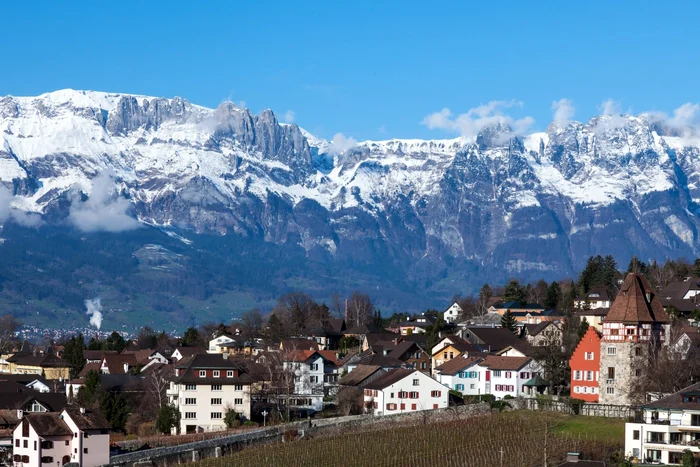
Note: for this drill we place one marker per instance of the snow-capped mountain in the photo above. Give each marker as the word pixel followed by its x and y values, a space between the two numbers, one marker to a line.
pixel 437 210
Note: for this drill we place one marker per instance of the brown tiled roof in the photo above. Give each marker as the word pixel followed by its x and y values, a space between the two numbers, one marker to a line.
pixel 456 365
pixel 96 354
pixel 299 344
pixel 496 339
pixel 676 400
pixel 359 374
pixel 43 361
pixel 47 424
pixel 90 420
pixel 140 356
pixel 391 377
pixel 192 365
pixel 330 355
pixel 89 367
pixel 631 304
pixel 592 312
pixel 400 350
pixel 8 418
pixel 493 362
pixel 299 355
pixel 115 363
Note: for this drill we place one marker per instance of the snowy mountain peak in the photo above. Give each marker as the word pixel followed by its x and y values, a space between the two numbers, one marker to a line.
pixel 230 171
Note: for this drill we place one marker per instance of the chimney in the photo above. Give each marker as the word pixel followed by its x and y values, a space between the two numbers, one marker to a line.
pixel 225 355
pixel 82 410
pixel 346 312
pixel 20 414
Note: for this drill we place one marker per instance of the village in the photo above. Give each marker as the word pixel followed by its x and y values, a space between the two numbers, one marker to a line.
pixel 52 411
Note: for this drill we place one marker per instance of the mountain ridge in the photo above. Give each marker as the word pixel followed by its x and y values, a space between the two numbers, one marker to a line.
pixel 446 214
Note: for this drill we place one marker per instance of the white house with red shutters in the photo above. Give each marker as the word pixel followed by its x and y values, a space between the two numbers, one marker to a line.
pixel 404 390
pixel 497 375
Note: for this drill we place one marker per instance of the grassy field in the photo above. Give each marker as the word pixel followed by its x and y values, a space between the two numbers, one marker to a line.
pixel 515 439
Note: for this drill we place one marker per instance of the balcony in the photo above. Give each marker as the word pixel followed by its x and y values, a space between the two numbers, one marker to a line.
pixel 610 381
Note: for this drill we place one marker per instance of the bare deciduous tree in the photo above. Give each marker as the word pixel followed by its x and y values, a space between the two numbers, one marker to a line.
pixel 350 401
pixel 360 309
pixel 8 329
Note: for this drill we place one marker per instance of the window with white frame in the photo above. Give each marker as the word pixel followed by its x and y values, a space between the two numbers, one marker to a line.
pixel 612 350
pixel 610 390
pixel 577 375
pixel 314 367
pixel 229 374
pixel 589 376
pixel 238 401
pixel 190 387
pixel 497 373
pixel 508 374
pixel 435 393
pixel 313 379
pixel 190 415
pixel 216 387
pixel 589 356
pixel 215 415
pixel 416 382
pixel 190 401
pixel 202 373
pixel 216 401
pixel 576 389
pixel 216 373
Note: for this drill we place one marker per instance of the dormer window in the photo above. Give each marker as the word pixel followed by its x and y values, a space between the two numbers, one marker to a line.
pixel 216 373
pixel 202 373
pixel 229 374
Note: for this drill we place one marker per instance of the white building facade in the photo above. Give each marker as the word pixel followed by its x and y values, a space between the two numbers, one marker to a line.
pixel 404 390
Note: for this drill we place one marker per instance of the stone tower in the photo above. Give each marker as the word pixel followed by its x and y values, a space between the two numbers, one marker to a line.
pixel 636 321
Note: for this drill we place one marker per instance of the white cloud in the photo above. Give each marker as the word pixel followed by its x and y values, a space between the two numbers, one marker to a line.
pixel 684 122
pixel 341 143
pixel 9 212
pixel 289 116
pixel 612 116
pixel 563 111
pixel 104 210
pixel 472 122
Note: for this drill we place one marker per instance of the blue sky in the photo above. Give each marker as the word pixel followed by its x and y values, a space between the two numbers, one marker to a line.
pixel 372 70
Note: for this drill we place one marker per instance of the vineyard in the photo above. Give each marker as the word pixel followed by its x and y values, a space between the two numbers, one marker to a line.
pixel 516 439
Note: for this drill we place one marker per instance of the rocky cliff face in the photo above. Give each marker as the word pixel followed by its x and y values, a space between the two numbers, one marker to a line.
pixel 434 212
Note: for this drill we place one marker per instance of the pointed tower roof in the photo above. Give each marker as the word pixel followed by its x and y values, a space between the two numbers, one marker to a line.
pixel 636 303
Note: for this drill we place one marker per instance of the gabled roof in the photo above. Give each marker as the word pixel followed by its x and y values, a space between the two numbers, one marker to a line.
pixel 359 374
pixel 96 354
pixel 330 355
pixel 299 355
pixel 391 377
pixel 189 351
pixel 375 337
pixel 115 362
pixel 493 362
pixel 632 305
pixel 456 365
pixel 90 420
pixel 678 289
pixel 44 361
pixel 87 368
pixel 402 348
pixel 20 400
pixel 676 401
pixel 140 356
pixel 535 329
pixel 369 357
pixel 515 305
pixel 592 312
pixel 364 329
pixel 191 366
pixel 298 344
pixel 495 339
pixel 47 424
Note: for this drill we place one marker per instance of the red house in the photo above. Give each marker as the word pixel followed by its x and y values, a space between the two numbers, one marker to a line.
pixel 585 367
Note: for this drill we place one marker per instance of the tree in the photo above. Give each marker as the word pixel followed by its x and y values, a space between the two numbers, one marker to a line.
pixel 251 323
pixel 538 293
pixel 582 328
pixel 688 459
pixel 554 361
pixel 275 328
pixel 73 354
pixel 514 292
pixel 337 306
pixel 147 338
pixel 232 418
pixel 156 384
pixel 95 344
pixel 87 394
pixel 163 340
pixel 360 309
pixel 485 293
pixel 508 321
pixel 115 342
pixel 8 332
pixel 191 337
pixel 696 267
pixel 168 418
pixel 115 409
pixel 350 400
pixel 294 311
pixel 433 333
pixel 553 295
pixel 636 266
